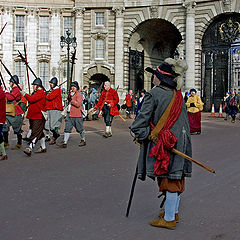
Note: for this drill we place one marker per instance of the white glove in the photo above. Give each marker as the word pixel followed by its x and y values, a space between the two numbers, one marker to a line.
pixel 23 93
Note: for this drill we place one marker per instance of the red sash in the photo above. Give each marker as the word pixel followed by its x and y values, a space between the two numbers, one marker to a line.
pixel 166 139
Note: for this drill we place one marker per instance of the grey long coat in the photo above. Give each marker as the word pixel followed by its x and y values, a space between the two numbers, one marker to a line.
pixel 155 103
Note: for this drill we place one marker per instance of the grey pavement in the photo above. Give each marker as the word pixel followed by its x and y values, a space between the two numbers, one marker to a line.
pixel 82 193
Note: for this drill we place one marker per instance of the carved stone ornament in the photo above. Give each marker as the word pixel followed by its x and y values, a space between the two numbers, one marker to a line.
pixel 189 5
pixel 229 31
pixel 118 11
pixel 153 12
pixel 226 5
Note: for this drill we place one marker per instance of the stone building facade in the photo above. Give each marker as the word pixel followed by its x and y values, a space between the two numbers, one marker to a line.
pixel 117 40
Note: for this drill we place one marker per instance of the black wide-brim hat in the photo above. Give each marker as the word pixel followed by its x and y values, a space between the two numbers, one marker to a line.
pixel 164 73
pixel 75 84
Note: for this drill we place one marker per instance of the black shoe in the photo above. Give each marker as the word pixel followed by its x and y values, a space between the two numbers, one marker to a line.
pixel 82 143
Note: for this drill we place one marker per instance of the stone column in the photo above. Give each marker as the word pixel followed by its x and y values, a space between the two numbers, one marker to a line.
pixel 119 49
pixel 190 43
pixel 79 12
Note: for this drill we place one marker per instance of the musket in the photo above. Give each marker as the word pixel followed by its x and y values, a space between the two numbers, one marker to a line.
pixel 9 73
pixel 73 62
pixel 25 51
pixel 3 81
pixel 26 63
pixel 3 28
pixel 62 83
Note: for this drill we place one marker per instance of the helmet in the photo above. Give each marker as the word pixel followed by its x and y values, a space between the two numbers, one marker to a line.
pixel 38 82
pixel 75 84
pixel 14 79
pixel 54 81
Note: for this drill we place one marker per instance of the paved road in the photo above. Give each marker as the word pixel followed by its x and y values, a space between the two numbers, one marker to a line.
pixel 82 193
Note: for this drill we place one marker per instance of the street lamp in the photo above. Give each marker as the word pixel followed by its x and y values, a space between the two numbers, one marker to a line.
pixel 68 40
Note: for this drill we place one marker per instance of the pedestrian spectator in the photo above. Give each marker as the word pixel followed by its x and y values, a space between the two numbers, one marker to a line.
pixel 74 116
pixel 129 101
pixel 2 121
pixel 93 100
pixel 225 106
pixel 85 102
pixel 232 104
pixel 194 108
pixel 140 100
pixel 156 159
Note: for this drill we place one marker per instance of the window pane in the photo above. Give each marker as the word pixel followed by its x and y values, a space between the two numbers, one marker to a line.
pixel 99 19
pixel 44 29
pixel 99 48
pixel 44 73
pixel 68 25
pixel 20 72
pixel 19 28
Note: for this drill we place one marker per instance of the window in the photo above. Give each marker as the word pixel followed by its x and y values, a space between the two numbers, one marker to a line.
pixel 44 29
pixel 99 49
pixel 68 25
pixel 19 28
pixel 99 19
pixel 20 72
pixel 44 73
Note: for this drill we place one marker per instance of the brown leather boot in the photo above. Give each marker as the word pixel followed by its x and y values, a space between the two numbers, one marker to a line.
pixel 3 157
pixel 53 141
pixel 28 151
pixel 41 150
pixel 162 223
pixel 161 214
pixel 17 146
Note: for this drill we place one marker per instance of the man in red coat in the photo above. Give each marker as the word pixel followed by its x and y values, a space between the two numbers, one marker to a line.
pixel 14 97
pixel 2 121
pixel 108 104
pixel 54 109
pixel 129 101
pixel 36 113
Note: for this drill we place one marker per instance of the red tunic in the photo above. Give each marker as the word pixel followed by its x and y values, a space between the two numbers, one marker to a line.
pixel 54 100
pixel 128 100
pixel 2 106
pixel 110 97
pixel 15 96
pixel 37 103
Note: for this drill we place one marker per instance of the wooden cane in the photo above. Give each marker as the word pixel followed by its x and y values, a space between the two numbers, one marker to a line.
pixel 192 160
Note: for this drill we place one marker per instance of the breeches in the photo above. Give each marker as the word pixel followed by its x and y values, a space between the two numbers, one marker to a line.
pixel 76 122
pixel 54 120
pixel 1 136
pixel 15 122
pixel 37 126
pixel 106 114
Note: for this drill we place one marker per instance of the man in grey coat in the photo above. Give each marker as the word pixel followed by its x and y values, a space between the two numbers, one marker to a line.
pixel 156 159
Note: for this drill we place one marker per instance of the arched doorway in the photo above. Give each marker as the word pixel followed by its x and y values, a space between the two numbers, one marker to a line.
pixel 218 49
pixel 151 42
pixel 96 81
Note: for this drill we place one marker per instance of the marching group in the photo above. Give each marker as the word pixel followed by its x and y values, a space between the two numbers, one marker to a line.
pixel 45 110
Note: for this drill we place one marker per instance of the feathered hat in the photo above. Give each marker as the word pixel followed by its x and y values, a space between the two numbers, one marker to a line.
pixel 180 67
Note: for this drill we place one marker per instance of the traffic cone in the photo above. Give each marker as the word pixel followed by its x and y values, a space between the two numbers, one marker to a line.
pixel 213 111
pixel 220 115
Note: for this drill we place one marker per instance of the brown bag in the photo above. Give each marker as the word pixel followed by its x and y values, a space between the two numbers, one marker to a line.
pixel 10 109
